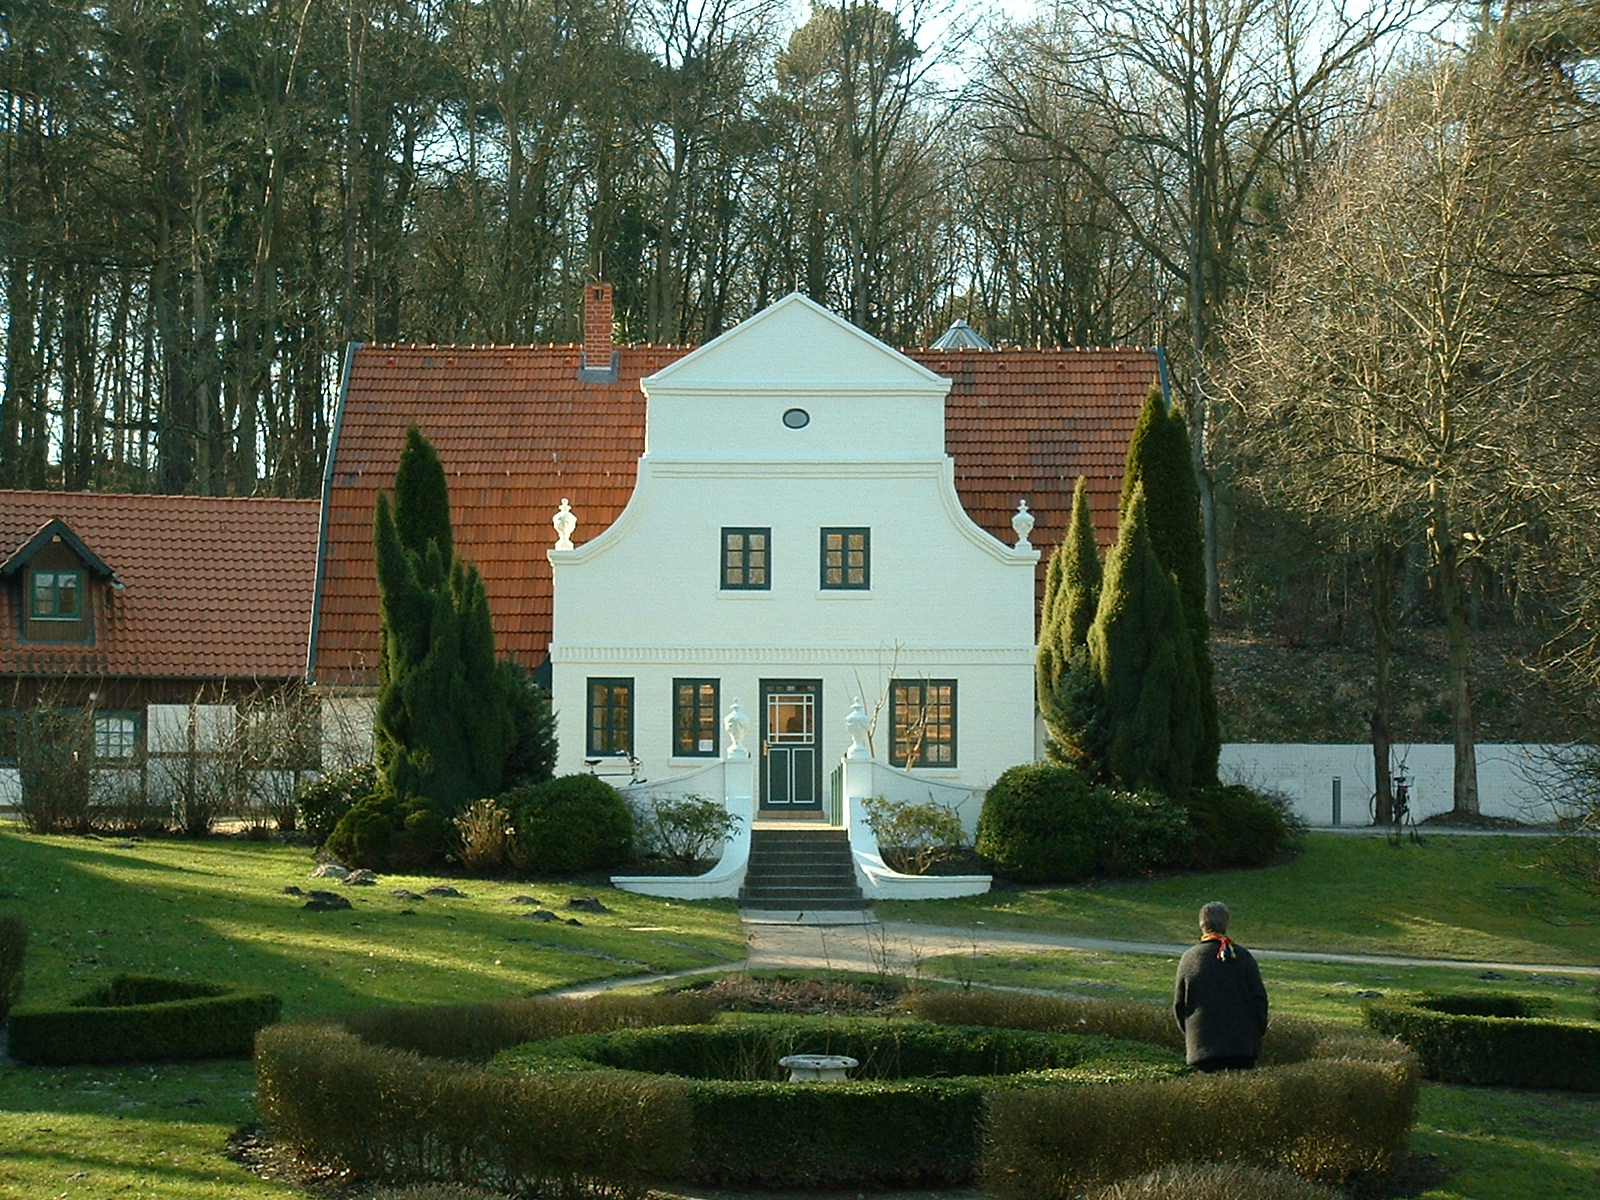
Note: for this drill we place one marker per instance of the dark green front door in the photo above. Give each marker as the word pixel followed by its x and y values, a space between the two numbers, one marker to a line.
pixel 791 774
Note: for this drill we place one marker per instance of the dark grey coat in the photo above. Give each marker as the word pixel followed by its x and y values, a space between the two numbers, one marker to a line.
pixel 1221 1004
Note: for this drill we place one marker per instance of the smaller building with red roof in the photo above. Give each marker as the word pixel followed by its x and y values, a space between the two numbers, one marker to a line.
pixel 140 609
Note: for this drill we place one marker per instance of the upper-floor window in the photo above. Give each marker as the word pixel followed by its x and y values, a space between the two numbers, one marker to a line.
pixel 610 717
pixel 55 595
pixel 846 559
pixel 694 717
pixel 745 562
pixel 922 716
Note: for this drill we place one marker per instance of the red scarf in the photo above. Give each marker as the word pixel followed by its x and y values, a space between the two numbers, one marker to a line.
pixel 1224 945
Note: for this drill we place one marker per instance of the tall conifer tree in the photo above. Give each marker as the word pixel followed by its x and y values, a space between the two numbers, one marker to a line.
pixel 1067 692
pixel 1160 458
pixel 444 722
pixel 1140 651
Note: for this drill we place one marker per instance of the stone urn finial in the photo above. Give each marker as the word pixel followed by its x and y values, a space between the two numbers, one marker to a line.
pixel 1022 522
pixel 565 523
pixel 737 725
pixel 857 723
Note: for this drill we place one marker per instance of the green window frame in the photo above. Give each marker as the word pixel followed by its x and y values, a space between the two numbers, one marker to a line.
pixel 746 559
pixel 695 712
pixel 55 595
pixel 610 717
pixel 846 559
pixel 922 721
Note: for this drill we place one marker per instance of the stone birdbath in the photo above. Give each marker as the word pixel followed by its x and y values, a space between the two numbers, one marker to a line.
pixel 818 1068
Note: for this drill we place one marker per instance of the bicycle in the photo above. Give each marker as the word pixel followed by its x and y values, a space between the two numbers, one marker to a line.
pixel 1399 800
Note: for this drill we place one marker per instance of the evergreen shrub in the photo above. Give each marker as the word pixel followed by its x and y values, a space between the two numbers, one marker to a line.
pixel 320 803
pixel 1212 1181
pixel 1046 823
pixel 477 1032
pixel 1327 1119
pixel 145 1018
pixel 1237 826
pixel 13 949
pixel 384 1114
pixel 1491 1038
pixel 571 824
pixel 1036 824
pixel 383 834
pixel 910 1115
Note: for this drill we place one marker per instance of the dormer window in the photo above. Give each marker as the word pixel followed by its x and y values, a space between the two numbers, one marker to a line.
pixel 55 595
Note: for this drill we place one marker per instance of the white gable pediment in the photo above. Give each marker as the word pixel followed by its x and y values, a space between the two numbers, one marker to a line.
pixel 799 347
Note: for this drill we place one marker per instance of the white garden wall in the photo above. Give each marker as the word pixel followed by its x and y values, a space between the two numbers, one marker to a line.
pixel 1514 781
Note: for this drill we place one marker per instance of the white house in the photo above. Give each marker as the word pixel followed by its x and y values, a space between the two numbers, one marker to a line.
pixel 715 554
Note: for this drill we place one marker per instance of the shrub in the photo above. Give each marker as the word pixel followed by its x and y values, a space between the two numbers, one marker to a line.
pixel 1045 823
pixel 1491 1038
pixel 144 1018
pixel 1035 825
pixel 688 828
pixel 13 949
pixel 482 836
pixel 323 801
pixel 1139 831
pixel 910 1116
pixel 55 765
pixel 1237 826
pixel 1213 1181
pixel 382 834
pixel 1326 1118
pixel 380 1113
pixel 914 838
pixel 477 1032
pixel 1288 1039
pixel 571 824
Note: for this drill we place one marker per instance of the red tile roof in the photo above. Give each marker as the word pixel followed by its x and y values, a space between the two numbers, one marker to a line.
pixel 211 587
pixel 516 431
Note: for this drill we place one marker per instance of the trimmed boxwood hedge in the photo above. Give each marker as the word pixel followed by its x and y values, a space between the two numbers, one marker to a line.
pixel 1491 1038
pixel 145 1018
pixel 911 1115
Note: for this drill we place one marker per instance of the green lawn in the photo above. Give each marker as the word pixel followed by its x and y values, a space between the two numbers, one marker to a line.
pixel 216 909
pixel 1449 897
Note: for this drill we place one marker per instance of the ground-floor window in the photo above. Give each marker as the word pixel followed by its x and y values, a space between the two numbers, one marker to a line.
pixel 116 735
pixel 922 716
pixel 610 717
pixel 694 718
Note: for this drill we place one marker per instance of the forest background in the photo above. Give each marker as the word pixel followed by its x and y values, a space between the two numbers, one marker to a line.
pixel 1367 237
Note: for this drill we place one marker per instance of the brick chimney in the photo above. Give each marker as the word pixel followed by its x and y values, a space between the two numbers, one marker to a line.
pixel 599 361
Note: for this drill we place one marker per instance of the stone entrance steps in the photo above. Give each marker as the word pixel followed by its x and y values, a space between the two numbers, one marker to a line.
pixel 803 870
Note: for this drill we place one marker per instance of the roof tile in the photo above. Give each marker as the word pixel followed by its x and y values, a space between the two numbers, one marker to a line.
pixel 211 587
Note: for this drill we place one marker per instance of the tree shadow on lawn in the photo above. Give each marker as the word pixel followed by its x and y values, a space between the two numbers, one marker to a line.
pixel 94 912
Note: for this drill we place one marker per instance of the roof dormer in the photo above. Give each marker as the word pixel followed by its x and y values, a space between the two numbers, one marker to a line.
pixel 50 574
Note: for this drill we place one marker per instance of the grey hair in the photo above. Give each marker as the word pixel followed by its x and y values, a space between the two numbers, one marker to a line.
pixel 1214 917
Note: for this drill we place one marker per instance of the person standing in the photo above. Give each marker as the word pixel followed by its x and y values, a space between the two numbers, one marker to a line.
pixel 1219 999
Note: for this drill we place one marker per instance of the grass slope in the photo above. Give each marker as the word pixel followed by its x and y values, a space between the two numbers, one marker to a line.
pixel 1449 896
pixel 216 910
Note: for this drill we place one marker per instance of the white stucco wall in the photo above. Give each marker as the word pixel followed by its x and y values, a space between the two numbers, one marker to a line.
pixel 946 601
pixel 1515 781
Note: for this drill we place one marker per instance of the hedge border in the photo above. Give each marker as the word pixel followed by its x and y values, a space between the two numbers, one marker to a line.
pixel 911 1115
pixel 144 1018
pixel 1490 1038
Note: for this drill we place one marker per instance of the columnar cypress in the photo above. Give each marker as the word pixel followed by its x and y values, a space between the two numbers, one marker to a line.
pixel 1140 652
pixel 1160 459
pixel 1066 689
pixel 443 725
